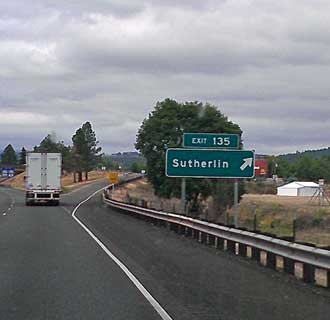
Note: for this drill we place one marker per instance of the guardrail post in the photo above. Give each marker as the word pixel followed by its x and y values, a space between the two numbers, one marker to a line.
pixel 225 244
pixel 249 252
pixel 200 236
pixel 267 259
pixel 299 270
pixel 216 242
pixel 279 263
pixel 304 271
pixel 322 277
pixel 263 258
pixel 236 248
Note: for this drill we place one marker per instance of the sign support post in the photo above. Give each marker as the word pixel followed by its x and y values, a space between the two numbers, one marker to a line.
pixel 183 195
pixel 183 190
pixel 236 203
pixel 113 178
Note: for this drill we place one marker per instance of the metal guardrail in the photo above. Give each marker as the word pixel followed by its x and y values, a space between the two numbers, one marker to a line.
pixel 129 178
pixel 310 257
pixel 313 256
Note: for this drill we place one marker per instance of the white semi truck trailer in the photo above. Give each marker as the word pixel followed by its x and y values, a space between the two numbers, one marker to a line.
pixel 43 177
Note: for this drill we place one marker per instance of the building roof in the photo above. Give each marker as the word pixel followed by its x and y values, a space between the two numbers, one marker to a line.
pixel 300 184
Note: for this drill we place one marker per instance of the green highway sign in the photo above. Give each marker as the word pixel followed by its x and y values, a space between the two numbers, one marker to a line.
pixel 211 140
pixel 209 163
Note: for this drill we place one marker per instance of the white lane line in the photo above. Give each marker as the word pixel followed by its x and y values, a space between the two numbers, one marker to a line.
pixel 9 209
pixel 155 304
pixel 4 213
pixel 66 210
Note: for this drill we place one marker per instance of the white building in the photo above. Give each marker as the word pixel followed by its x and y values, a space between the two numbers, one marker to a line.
pixel 298 189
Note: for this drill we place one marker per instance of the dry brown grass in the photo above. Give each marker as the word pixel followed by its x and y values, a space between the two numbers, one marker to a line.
pixel 275 214
pixel 296 206
pixel 66 180
pixel 302 202
pixel 138 190
pixel 316 236
pixel 16 182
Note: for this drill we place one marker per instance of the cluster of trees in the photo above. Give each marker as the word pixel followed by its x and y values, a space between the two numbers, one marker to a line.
pixel 164 129
pixel 10 158
pixel 305 167
pixel 137 167
pixel 107 162
pixel 80 157
pixel 111 162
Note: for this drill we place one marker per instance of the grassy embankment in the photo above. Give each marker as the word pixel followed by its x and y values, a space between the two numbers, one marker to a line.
pixel 275 214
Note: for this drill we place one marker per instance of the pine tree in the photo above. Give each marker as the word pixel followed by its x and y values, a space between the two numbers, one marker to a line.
pixel 47 145
pixel 91 155
pixel 8 156
pixel 86 151
pixel 22 157
pixel 79 146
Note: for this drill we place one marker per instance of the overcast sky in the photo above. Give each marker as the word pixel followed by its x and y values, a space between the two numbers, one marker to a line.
pixel 265 64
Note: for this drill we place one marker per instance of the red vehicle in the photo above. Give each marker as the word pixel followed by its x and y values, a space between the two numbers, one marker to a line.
pixel 261 168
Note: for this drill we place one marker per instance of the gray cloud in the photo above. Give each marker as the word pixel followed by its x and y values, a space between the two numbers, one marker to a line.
pixel 266 65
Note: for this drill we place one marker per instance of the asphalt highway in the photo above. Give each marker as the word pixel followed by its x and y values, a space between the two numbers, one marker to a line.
pixel 51 268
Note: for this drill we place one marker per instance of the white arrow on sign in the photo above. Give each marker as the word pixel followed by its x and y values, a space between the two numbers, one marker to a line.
pixel 247 163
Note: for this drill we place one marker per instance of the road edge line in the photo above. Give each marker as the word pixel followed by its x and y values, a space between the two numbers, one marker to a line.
pixel 154 303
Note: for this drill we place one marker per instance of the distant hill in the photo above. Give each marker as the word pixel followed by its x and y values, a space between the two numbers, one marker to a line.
pixel 291 157
pixel 125 159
